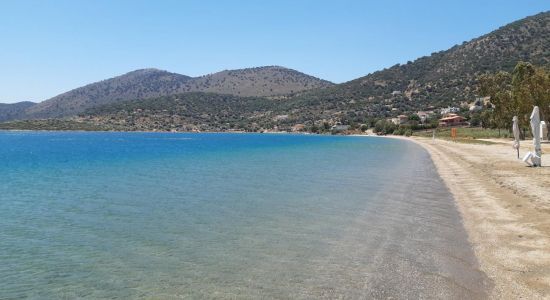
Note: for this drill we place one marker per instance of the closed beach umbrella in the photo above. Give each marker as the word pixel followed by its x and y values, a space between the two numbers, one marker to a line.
pixel 515 129
pixel 535 129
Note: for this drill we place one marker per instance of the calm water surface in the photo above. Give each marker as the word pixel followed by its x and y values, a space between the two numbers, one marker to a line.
pixel 155 215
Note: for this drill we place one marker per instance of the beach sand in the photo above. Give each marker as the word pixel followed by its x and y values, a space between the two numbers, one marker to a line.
pixel 505 207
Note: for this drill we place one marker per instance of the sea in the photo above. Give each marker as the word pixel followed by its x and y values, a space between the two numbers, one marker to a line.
pixel 118 215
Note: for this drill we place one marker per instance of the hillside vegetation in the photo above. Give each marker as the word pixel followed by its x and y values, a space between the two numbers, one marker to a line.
pixel 441 79
pixel 194 111
pixel 54 124
pixel 148 83
pixel 14 110
pixel 257 82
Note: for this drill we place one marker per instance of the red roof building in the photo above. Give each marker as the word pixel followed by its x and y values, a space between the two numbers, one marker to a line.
pixel 452 120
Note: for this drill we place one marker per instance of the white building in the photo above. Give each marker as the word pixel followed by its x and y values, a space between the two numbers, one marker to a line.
pixel 424 115
pixel 396 93
pixel 449 110
pixel 340 127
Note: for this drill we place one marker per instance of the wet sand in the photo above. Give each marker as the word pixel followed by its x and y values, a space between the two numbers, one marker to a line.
pixel 505 206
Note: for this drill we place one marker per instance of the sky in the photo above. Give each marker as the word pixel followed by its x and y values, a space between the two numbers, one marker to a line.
pixel 50 47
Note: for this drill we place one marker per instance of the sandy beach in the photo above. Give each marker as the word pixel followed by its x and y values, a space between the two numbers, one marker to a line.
pixel 506 211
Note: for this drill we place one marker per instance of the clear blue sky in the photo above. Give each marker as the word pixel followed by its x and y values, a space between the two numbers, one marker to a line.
pixel 49 47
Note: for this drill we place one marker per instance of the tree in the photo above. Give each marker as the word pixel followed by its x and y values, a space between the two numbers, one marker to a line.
pixel 379 126
pixel 414 117
pixel 384 127
pixel 314 128
pixel 498 87
pixel 531 87
pixel 475 119
pixel 485 118
pixel 515 94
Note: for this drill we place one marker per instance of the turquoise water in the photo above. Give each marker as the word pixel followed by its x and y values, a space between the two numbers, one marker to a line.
pixel 159 215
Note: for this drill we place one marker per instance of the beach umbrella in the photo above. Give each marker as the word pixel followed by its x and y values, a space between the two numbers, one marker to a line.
pixel 535 129
pixel 515 130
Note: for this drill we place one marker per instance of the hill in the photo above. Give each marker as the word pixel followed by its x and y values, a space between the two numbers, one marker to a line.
pixel 148 83
pixel 257 82
pixel 441 79
pixel 133 85
pixel 14 110
pixel 192 111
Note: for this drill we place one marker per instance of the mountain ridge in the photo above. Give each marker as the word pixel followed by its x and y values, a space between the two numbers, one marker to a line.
pixel 11 111
pixel 267 81
pixel 444 78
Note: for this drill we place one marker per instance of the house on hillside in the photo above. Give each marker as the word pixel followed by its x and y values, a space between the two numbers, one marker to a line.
pixel 280 117
pixel 298 128
pixel 449 110
pixel 396 93
pixel 339 127
pixel 452 120
pixel 400 120
pixel 424 115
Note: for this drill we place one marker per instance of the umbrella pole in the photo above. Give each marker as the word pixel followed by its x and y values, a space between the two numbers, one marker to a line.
pixel 518 152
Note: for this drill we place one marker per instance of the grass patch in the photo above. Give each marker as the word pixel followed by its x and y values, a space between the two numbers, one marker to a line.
pixel 466 133
pixel 471 141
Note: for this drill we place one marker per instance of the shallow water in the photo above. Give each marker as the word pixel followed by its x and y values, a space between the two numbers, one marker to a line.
pixel 141 215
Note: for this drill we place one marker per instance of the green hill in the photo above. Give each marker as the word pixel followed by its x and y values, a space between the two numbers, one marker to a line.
pixel 184 112
pixel 441 79
pixel 147 83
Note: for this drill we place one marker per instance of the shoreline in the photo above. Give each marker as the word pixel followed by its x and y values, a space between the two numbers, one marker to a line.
pixel 504 211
